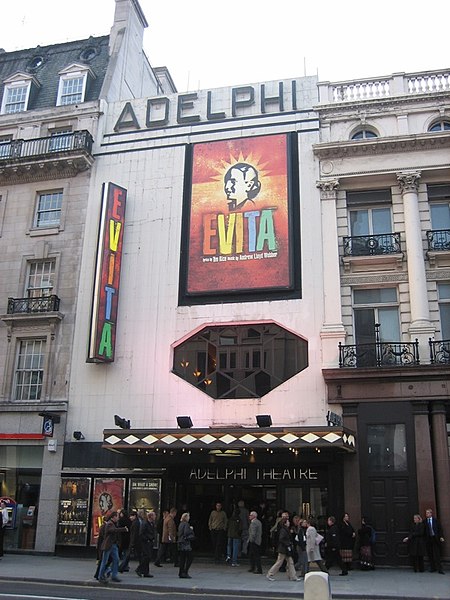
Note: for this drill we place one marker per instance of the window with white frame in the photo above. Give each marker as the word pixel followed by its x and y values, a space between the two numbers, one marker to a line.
pixel 15 97
pixel 40 278
pixel 444 309
pixel 441 125
pixel 364 134
pixel 48 210
pixel 376 306
pixel 29 369
pixel 72 88
pixel 370 221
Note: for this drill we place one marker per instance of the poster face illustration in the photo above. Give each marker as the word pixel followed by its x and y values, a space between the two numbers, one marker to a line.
pixel 73 511
pixel 238 236
pixel 108 495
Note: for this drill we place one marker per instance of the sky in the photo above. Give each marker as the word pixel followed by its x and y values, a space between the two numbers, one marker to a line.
pixel 207 44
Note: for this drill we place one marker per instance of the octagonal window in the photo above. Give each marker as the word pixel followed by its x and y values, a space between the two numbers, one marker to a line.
pixel 240 361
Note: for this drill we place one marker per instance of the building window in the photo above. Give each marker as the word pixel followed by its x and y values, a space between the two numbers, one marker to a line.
pixel 364 134
pixel 444 309
pixel 370 223
pixel 15 97
pixel 40 278
pixel 442 125
pixel 29 370
pixel 376 306
pixel 243 361
pixel 386 446
pixel 71 89
pixel 48 213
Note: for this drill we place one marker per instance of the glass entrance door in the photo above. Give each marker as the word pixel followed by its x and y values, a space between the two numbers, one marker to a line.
pixel 307 501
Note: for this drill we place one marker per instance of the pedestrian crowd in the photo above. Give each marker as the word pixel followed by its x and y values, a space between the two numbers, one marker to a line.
pixel 296 542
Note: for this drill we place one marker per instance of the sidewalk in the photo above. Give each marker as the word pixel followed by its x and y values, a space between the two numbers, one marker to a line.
pixel 383 583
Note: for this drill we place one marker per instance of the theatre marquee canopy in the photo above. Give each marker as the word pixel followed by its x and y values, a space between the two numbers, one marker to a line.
pixel 228 439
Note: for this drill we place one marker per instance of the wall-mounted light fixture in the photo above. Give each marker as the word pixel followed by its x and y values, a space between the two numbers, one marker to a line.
pixel 184 422
pixel 122 423
pixel 264 420
pixel 78 435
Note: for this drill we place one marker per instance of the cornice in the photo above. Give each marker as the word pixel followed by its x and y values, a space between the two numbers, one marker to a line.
pixel 380 146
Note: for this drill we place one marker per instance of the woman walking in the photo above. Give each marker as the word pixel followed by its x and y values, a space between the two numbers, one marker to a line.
pixel 347 537
pixel 313 545
pixel 185 537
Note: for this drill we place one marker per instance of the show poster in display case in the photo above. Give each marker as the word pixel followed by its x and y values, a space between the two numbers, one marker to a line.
pixel 146 494
pixel 73 516
pixel 108 495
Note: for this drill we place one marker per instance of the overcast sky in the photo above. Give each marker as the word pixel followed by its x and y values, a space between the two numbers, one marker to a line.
pixel 207 44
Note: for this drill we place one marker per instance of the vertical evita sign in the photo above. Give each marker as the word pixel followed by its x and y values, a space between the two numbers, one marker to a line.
pixel 238 219
pixel 107 274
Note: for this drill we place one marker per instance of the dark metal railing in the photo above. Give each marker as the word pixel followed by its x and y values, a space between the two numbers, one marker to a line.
pixel 379 354
pixel 371 245
pixel 25 149
pixel 33 305
pixel 438 239
pixel 439 352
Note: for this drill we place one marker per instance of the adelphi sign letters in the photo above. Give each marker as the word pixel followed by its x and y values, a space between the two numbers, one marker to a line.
pixel 208 106
pixel 254 474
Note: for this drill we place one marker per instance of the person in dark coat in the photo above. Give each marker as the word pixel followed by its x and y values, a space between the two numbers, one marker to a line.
pixel 284 549
pixel 416 544
pixel 347 537
pixel 124 538
pixel 110 547
pixel 147 535
pixel 185 537
pixel 434 537
pixel 332 544
pixel 365 533
pixel 133 544
pixel 234 530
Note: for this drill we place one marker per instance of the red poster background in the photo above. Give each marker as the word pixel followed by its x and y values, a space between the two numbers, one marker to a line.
pixel 268 155
pixel 108 495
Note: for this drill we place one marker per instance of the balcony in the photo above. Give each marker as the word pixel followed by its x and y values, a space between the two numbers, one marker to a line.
pixel 32 311
pixel 45 158
pixel 372 252
pixel 33 305
pixel 439 352
pixel 438 252
pixel 379 354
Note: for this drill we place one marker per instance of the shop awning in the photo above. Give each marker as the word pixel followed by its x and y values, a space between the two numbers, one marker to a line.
pixel 243 438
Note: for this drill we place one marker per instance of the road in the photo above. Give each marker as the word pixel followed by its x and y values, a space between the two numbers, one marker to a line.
pixel 18 590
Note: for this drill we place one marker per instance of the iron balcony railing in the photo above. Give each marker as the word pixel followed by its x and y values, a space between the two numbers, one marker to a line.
pixel 379 354
pixel 33 305
pixel 371 245
pixel 438 239
pixel 439 352
pixel 16 150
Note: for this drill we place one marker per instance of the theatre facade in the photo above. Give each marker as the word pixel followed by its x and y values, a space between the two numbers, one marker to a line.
pixel 239 333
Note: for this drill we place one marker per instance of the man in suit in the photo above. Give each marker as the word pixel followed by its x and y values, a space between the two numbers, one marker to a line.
pixel 434 538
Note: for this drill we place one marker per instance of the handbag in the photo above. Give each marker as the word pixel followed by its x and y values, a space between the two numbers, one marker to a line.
pixel 319 539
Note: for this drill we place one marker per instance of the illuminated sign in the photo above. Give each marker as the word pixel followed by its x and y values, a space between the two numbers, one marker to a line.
pixel 240 221
pixel 107 274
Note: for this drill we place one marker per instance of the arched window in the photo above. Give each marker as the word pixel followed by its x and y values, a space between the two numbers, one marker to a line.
pixel 364 134
pixel 441 125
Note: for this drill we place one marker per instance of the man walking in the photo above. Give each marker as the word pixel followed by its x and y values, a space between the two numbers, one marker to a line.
pixel 168 544
pixel 434 538
pixel 254 543
pixel 110 547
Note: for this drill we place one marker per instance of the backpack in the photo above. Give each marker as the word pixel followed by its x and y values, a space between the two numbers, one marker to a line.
pixel 373 536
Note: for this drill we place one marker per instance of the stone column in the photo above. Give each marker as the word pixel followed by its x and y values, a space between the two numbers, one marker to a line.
pixel 424 457
pixel 333 330
pixel 441 468
pixel 420 326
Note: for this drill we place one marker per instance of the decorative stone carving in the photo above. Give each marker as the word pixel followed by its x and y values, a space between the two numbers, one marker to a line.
pixel 409 181
pixel 328 188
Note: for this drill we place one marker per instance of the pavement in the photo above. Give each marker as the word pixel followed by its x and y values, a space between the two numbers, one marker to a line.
pixel 383 583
